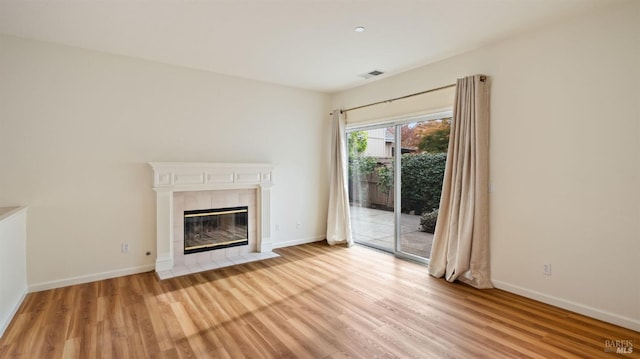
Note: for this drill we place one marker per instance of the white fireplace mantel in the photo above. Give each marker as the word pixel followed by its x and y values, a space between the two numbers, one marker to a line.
pixel 170 177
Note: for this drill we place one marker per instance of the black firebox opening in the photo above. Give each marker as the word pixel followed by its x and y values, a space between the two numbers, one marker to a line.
pixel 217 228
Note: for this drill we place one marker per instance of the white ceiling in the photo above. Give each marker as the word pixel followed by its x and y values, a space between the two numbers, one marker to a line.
pixel 307 44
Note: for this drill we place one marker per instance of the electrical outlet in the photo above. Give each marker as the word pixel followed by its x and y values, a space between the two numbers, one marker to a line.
pixel 298 225
pixel 546 268
pixel 277 228
pixel 124 247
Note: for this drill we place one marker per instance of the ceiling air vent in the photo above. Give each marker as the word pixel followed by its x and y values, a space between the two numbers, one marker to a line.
pixel 371 74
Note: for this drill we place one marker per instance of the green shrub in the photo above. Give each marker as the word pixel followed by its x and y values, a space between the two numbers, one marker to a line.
pixel 428 221
pixel 385 177
pixel 362 166
pixel 422 176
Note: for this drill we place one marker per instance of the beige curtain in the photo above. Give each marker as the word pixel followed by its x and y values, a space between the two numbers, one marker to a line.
pixel 461 242
pixel 338 220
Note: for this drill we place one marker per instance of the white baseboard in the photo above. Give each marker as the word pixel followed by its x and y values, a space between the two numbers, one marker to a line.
pixel 14 310
pixel 296 242
pixel 141 269
pixel 90 278
pixel 608 317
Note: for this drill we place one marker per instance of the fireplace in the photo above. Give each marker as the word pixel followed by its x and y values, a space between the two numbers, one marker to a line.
pixel 217 228
pixel 182 187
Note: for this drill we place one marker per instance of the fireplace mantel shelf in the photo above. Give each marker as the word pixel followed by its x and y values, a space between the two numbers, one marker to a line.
pixel 190 176
pixel 170 177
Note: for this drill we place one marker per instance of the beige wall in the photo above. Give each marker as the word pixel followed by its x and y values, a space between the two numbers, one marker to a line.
pixel 564 158
pixel 78 127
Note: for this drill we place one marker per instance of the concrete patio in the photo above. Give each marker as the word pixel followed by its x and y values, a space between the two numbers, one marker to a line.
pixel 375 227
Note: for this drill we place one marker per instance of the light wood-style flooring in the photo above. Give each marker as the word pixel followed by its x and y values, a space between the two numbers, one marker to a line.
pixel 314 301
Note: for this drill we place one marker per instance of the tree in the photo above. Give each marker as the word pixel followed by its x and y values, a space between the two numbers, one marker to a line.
pixel 410 135
pixel 357 143
pixel 359 166
pixel 435 138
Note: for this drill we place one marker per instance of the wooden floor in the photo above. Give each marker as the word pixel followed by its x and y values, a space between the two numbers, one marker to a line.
pixel 314 301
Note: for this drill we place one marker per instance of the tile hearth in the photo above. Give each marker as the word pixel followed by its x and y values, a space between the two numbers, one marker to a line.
pixel 190 268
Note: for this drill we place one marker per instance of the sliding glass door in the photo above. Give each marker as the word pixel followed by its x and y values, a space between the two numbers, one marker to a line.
pixel 395 181
pixel 371 187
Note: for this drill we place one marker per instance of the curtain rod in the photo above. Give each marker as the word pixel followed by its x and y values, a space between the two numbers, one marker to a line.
pixel 395 99
pixel 482 78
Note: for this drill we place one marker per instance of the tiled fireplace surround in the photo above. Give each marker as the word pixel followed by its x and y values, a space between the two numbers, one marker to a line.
pixel 192 186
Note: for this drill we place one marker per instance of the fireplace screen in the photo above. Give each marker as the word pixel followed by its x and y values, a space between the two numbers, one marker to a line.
pixel 210 229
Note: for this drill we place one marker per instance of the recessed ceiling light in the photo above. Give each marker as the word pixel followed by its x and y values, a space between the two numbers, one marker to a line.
pixel 359 29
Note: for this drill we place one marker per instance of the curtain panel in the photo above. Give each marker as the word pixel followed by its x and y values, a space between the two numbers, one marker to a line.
pixel 338 219
pixel 461 241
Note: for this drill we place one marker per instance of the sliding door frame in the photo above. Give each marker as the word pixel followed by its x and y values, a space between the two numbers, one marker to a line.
pixel 397 176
